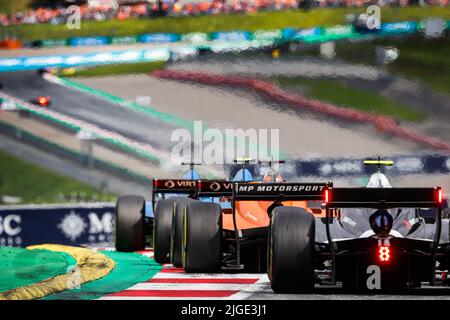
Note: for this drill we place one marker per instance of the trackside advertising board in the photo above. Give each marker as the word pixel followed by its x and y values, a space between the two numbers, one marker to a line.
pixel 67 224
pixel 73 60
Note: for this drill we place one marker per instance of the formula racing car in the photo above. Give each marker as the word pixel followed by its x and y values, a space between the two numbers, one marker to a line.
pixel 42 101
pixel 371 238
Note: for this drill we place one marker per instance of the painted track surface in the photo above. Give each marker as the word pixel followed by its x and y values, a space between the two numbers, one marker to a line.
pixel 174 284
pixel 29 85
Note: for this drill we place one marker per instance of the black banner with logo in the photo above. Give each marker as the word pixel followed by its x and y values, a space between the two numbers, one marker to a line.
pixel 74 224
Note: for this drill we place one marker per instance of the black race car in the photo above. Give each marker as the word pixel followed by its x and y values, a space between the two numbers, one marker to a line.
pixel 371 238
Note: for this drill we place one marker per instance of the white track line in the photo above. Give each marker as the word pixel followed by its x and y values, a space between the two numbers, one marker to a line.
pixel 189 287
pixel 182 275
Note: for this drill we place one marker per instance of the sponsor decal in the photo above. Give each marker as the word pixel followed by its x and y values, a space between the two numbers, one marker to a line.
pixel 280 188
pixel 169 184
pixel 216 186
pixel 174 185
pixel 87 224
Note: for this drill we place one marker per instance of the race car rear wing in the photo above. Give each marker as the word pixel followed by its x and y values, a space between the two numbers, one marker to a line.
pixel 180 186
pixel 383 197
pixel 280 191
pixel 214 188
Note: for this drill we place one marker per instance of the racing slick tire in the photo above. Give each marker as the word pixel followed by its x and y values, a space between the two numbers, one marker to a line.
pixel 162 228
pixel 290 250
pixel 130 221
pixel 176 236
pixel 202 237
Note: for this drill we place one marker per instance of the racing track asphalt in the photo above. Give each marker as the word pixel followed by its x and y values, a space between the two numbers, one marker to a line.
pixel 173 283
pixel 28 85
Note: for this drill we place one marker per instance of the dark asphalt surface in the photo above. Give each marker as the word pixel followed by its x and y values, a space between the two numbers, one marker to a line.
pixel 324 293
pixel 28 85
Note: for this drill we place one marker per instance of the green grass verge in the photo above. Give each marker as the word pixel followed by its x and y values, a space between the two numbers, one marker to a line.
pixel 419 58
pixel 37 185
pixel 334 92
pixel 259 21
pixel 113 69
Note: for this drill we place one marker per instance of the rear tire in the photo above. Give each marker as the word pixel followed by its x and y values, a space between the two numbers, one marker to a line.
pixel 176 238
pixel 130 218
pixel 202 237
pixel 290 250
pixel 162 228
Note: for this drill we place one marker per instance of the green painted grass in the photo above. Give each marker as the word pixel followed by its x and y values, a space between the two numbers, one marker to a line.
pixel 130 269
pixel 21 267
pixel 259 21
pixel 38 185
pixel 334 92
pixel 115 69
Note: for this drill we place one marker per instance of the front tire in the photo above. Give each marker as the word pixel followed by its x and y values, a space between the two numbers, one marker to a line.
pixel 202 237
pixel 291 245
pixel 130 220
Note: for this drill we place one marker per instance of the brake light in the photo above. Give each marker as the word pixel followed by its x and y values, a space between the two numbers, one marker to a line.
pixel 199 185
pixel 327 195
pixel 439 196
pixel 155 183
pixel 43 101
pixel 384 254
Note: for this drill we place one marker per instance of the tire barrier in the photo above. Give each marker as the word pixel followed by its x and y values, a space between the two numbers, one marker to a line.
pixel 384 124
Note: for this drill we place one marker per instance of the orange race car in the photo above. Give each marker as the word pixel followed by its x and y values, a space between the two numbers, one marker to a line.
pixel 231 232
